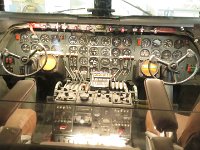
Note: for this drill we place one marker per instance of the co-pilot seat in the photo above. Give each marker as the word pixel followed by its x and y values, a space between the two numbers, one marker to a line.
pixel 15 118
pixel 165 128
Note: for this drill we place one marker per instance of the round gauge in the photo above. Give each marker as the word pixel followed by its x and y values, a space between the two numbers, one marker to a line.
pixel 24 37
pixel 105 51
pixel 83 40
pixel 93 62
pixel 94 41
pixel 56 48
pixel 144 53
pixel 50 64
pixel 105 61
pixel 156 43
pixel 34 38
pixel 44 38
pixel 127 41
pixel 114 71
pixel 115 62
pixel 73 40
pixel 126 52
pixel 156 53
pixel 25 48
pixel 145 43
pixel 47 47
pixel 167 43
pixel 83 69
pixel 93 69
pixel 83 50
pixel 94 51
pixel 105 41
pixel 116 41
pixel 178 44
pixel 115 52
pixel 73 49
pixel 35 47
pixel 166 54
pixel 176 54
pixel 145 68
pixel 83 60
pixel 104 69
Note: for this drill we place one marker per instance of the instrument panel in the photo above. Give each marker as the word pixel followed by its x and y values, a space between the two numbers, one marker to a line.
pixel 112 52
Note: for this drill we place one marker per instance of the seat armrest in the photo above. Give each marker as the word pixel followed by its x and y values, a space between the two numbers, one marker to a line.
pixel 25 119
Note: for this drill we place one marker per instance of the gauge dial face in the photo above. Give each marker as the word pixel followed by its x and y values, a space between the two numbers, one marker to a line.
pixel 25 48
pixel 94 62
pixel 93 69
pixel 35 47
pixel 127 41
pixel 105 61
pixel 126 52
pixel 56 48
pixel 83 69
pixel 83 60
pixel 83 50
pixel 105 51
pixel 144 53
pixel 73 40
pixel 115 52
pixel 73 49
pixel 167 43
pixel 145 43
pixel 44 38
pixel 83 40
pixel 94 41
pixel 178 44
pixel 94 51
pixel 116 41
pixel 104 69
pixel 47 47
pixel 34 38
pixel 166 54
pixel 156 53
pixel 176 54
pixel 105 41
pixel 156 43
pixel 24 37
pixel 115 62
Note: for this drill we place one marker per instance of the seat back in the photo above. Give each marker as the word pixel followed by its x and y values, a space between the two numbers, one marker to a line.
pixel 190 137
pixel 160 106
pixel 14 98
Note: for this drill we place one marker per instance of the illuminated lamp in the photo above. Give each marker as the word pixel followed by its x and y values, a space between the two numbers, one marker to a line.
pixel 152 67
pixel 50 64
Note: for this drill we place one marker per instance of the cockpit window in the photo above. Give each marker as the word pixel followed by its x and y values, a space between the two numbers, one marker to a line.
pixel 178 8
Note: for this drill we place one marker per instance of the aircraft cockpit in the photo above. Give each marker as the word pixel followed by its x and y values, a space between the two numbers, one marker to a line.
pixel 93 79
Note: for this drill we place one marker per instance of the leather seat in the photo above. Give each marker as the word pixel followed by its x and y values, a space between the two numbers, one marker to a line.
pixel 163 124
pixel 15 114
